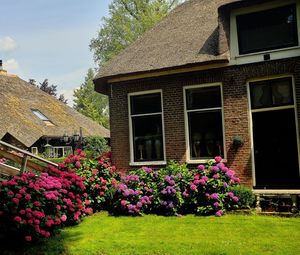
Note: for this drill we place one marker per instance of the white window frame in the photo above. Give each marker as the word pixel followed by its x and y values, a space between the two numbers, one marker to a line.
pixel 158 162
pixel 237 59
pixel 186 122
pixel 34 150
pixel 294 106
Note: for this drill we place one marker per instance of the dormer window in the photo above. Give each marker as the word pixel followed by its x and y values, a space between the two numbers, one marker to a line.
pixel 42 117
pixel 267 30
pixel 264 32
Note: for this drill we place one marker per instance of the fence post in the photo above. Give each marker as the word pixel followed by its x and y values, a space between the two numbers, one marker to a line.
pixel 23 164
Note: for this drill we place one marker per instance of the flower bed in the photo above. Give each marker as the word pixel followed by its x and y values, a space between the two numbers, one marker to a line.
pixel 37 206
pixel 175 190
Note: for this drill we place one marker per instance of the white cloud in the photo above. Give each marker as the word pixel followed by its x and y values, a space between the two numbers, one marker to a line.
pixel 11 65
pixel 7 44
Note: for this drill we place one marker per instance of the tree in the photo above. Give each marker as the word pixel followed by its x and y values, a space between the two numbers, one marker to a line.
pixel 90 103
pixel 127 20
pixel 50 89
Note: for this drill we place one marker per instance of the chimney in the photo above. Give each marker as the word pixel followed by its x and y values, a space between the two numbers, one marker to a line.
pixel 2 71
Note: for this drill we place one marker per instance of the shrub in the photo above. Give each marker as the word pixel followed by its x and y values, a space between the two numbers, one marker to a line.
pixel 95 145
pixel 36 206
pixel 98 175
pixel 210 190
pixel 245 195
pixel 176 189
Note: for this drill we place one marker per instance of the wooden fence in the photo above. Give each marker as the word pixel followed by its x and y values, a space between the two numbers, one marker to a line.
pixel 21 158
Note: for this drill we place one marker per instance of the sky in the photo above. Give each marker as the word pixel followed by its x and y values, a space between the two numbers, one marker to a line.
pixel 49 39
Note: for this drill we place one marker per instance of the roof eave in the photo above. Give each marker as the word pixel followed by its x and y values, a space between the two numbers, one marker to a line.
pixel 101 83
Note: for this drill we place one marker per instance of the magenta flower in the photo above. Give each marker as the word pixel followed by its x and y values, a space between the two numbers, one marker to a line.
pixel 215 169
pixel 201 167
pixel 214 196
pixel 17 219
pixel 193 187
pixel 28 238
pixel 219 213
pixel 218 159
pixel 64 218
pixel 123 203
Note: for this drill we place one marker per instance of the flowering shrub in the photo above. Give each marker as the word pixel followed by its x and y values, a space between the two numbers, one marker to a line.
pixel 176 189
pixel 36 206
pixel 210 189
pixel 97 174
pixel 132 196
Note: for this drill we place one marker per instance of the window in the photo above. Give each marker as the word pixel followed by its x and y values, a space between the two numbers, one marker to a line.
pixel 42 117
pixel 34 150
pixel 267 30
pixel 271 93
pixel 146 127
pixel 204 122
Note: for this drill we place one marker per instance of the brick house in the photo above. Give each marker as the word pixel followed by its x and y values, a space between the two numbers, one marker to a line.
pixel 212 78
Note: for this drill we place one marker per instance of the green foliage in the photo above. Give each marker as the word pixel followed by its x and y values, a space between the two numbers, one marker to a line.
pixel 127 20
pixel 90 103
pixel 95 145
pixel 245 195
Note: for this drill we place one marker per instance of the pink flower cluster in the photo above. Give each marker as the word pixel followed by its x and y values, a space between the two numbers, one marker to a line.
pixel 37 205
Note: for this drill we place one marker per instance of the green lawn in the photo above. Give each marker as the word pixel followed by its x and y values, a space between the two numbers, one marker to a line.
pixel 230 234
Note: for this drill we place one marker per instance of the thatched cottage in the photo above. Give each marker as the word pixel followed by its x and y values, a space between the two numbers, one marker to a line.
pixel 34 120
pixel 213 78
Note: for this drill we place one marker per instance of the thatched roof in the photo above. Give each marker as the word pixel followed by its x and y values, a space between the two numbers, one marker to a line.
pixel 189 35
pixel 18 98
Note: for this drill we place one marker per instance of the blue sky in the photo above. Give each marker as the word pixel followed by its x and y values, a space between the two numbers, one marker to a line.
pixel 42 39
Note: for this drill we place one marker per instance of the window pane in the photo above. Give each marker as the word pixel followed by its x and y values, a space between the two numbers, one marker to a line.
pixel 147 138
pixel 206 134
pixel 40 115
pixel 271 93
pixel 200 98
pixel 149 103
pixel 267 30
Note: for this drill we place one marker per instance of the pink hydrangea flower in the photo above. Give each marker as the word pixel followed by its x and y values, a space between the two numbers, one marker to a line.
pixel 218 159
pixel 64 218
pixel 28 238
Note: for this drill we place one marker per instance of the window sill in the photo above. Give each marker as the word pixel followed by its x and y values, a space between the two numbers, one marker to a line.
pixel 148 163
pixel 202 161
pixel 259 56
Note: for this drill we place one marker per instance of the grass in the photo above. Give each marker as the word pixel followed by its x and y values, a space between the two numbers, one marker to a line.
pixel 151 235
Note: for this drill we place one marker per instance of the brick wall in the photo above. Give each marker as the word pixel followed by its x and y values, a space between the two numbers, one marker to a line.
pixel 236 112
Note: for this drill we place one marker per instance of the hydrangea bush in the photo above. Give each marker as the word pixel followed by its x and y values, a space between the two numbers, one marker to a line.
pixel 36 206
pixel 176 190
pixel 97 173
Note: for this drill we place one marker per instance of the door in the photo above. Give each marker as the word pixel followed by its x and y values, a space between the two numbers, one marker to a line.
pixel 274 134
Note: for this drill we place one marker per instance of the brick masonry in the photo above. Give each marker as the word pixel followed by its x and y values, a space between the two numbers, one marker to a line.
pixel 236 112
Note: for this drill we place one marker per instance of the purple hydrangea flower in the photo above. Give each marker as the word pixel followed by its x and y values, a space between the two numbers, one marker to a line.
pixel 216 176
pixel 147 169
pixel 201 167
pixel 219 213
pixel 235 198
pixel 214 196
pixel 216 204
pixel 215 169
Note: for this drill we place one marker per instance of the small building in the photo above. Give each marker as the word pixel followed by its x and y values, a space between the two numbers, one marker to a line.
pixel 32 119
pixel 213 78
